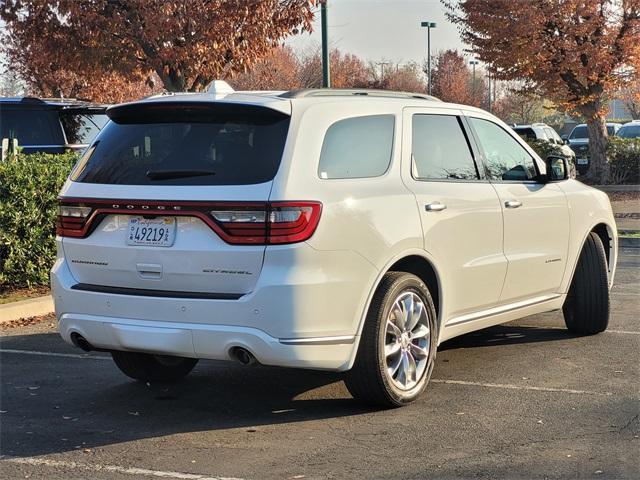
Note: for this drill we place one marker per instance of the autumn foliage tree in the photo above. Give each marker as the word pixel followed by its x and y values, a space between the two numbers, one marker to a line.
pixel 185 43
pixel 577 53
pixel 451 79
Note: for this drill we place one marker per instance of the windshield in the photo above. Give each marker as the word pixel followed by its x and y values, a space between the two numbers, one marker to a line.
pixel 629 131
pixel 206 147
pixel 582 133
pixel 579 132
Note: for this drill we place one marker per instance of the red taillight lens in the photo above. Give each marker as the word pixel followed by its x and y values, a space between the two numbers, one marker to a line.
pixel 276 224
pixel 71 220
pixel 291 222
pixel 237 223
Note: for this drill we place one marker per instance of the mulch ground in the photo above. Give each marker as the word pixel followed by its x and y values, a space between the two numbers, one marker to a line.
pixel 22 322
pixel 624 196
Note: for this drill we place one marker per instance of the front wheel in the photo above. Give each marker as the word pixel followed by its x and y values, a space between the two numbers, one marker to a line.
pixel 586 309
pixel 398 343
pixel 147 367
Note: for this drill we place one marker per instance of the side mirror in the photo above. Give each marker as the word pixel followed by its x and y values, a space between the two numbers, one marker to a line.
pixel 565 139
pixel 558 169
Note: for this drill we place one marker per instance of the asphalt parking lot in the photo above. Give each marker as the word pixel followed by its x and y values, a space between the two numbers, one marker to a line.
pixel 522 400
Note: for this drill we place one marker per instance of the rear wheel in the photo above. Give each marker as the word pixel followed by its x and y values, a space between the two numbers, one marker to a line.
pixel 153 368
pixel 398 343
pixel 586 309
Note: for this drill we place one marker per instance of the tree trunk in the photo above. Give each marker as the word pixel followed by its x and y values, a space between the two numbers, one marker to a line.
pixel 598 141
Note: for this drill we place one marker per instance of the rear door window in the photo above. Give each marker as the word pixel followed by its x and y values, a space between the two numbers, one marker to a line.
pixel 196 144
pixel 440 149
pixel 31 126
pixel 358 147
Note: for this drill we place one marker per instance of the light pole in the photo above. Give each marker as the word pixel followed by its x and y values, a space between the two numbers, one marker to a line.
pixel 473 63
pixel 326 74
pixel 382 65
pixel 429 26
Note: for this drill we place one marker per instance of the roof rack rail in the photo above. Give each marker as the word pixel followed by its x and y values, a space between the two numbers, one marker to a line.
pixel 346 92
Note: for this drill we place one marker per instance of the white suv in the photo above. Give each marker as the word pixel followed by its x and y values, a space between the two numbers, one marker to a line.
pixel 345 230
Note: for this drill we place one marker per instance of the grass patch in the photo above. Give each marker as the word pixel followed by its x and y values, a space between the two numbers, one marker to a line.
pixel 628 234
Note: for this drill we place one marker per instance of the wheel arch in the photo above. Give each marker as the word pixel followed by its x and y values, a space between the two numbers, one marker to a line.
pixel 418 263
pixel 609 238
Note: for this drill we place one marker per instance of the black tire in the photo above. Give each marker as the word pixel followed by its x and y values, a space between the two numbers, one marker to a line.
pixel 369 380
pixel 586 309
pixel 153 368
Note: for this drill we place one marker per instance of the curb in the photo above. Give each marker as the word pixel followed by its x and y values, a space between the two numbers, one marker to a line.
pixel 26 308
pixel 629 242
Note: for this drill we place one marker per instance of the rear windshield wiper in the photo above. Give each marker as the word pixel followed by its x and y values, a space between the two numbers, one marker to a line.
pixel 171 174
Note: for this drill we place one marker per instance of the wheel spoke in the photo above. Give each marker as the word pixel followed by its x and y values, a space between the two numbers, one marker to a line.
pixel 404 368
pixel 407 309
pixel 418 352
pixel 392 329
pixel 420 332
pixel 411 368
pixel 415 315
pixel 397 312
pixel 392 348
pixel 392 367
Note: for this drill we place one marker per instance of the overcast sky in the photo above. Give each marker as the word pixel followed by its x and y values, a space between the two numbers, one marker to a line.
pixel 384 29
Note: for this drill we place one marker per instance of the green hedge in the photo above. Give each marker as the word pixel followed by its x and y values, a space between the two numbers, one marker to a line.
pixel 623 155
pixel 29 186
pixel 624 160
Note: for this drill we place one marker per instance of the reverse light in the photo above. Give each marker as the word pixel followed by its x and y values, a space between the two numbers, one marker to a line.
pixel 71 220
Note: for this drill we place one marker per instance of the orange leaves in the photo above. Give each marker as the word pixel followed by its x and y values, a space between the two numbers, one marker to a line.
pixel 571 49
pixel 182 41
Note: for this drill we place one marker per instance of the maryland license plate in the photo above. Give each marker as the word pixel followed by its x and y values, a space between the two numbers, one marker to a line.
pixel 583 161
pixel 155 232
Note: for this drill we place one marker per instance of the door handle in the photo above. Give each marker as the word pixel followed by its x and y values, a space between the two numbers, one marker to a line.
pixel 512 204
pixel 435 207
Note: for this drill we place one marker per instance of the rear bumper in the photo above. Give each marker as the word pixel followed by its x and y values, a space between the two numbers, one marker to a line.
pixel 303 313
pixel 207 341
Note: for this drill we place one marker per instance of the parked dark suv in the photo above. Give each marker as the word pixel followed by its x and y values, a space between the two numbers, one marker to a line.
pixel 50 125
pixel 542 131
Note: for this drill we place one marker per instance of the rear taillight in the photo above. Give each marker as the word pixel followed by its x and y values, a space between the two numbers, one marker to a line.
pixel 237 223
pixel 72 220
pixel 276 224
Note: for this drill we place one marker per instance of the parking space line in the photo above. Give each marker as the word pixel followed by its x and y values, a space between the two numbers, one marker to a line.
pixel 520 387
pixel 623 332
pixel 54 354
pixel 433 380
pixel 34 461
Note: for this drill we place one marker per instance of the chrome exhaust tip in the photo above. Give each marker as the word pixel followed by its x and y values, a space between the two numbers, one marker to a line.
pixel 242 356
pixel 81 342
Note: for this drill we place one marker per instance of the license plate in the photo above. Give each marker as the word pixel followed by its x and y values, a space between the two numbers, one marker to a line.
pixel 155 232
pixel 583 161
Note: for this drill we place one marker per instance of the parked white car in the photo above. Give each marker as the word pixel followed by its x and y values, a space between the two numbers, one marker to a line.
pixel 344 230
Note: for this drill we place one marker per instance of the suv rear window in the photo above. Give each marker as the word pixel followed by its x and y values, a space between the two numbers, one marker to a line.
pixel 526 132
pixel 81 128
pixel 31 126
pixel 186 144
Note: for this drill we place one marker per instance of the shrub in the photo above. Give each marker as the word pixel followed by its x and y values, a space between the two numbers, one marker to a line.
pixel 623 155
pixel 29 186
